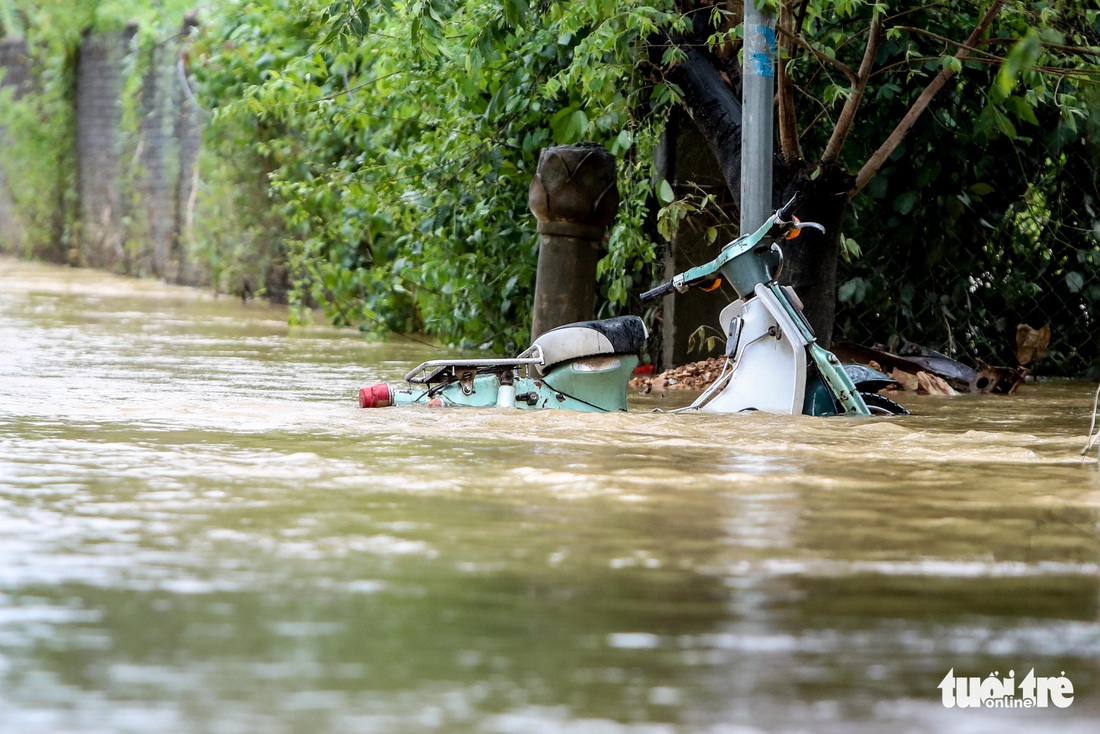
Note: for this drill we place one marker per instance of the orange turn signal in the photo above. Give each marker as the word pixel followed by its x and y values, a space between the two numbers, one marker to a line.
pixel 794 232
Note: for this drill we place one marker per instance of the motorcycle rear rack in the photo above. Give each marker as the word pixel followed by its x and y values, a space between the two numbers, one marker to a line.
pixel 448 370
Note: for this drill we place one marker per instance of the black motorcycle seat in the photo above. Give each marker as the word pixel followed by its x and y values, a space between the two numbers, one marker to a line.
pixel 620 335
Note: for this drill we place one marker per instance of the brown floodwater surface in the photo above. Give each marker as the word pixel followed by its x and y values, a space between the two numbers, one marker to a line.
pixel 200 531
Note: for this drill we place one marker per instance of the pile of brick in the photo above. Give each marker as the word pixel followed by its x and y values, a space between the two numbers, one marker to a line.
pixel 694 376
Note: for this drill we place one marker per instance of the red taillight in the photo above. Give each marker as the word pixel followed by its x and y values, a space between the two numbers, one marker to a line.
pixel 375 396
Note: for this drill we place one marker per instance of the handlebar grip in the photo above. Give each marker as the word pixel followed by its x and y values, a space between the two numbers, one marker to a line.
pixel 657 292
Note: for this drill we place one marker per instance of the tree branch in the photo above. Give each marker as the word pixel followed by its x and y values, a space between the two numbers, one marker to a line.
pixel 833 62
pixel 851 105
pixel 787 121
pixel 946 41
pixel 1079 50
pixel 803 9
pixel 874 163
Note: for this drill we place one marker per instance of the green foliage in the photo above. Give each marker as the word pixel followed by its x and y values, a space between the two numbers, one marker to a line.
pixel 978 221
pixel 44 170
pixel 989 214
pixel 400 143
pixel 695 203
pixel 9 26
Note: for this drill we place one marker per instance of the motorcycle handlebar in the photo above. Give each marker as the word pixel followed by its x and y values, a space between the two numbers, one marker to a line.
pixel 660 290
pixel 780 223
pixel 785 212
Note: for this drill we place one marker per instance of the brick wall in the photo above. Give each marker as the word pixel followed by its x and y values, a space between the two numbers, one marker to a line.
pixel 99 87
pixel 137 142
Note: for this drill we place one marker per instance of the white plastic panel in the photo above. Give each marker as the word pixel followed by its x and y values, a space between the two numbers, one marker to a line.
pixel 769 373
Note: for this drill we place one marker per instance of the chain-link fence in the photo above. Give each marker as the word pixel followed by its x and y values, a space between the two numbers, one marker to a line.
pixel 958 271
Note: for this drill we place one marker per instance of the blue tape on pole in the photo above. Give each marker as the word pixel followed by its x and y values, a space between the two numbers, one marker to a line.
pixel 760 47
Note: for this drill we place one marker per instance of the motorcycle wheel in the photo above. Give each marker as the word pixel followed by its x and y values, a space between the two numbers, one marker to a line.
pixel 879 405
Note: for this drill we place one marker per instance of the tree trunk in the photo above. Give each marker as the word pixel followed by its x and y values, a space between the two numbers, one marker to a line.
pixel 810 264
pixel 811 260
pixel 715 108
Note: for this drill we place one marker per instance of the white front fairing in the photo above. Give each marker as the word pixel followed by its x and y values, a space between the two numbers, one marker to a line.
pixel 769 366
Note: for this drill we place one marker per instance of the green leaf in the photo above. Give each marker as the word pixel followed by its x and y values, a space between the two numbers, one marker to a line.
pixel 849 249
pixel 1003 123
pixel 559 124
pixel 1024 110
pixel 853 291
pixel 577 126
pixel 665 193
pixel 905 202
pixel 622 143
pixel 1075 282
pixel 1021 57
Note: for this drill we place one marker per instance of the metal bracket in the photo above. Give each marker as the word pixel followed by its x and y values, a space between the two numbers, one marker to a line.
pixel 466 377
pixel 430 372
pixel 733 338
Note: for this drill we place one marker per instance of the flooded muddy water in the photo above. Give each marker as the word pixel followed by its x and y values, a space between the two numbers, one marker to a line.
pixel 200 531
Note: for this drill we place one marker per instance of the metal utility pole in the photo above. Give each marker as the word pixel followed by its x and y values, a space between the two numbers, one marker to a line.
pixel 757 100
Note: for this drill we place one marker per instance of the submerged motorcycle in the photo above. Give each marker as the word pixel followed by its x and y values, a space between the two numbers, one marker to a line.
pixel 773 361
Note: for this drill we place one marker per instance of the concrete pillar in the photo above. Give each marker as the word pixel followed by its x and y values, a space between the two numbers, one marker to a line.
pixel 574 198
pixel 188 135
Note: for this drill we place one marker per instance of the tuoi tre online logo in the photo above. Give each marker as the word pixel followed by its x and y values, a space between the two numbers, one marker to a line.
pixel 993 692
